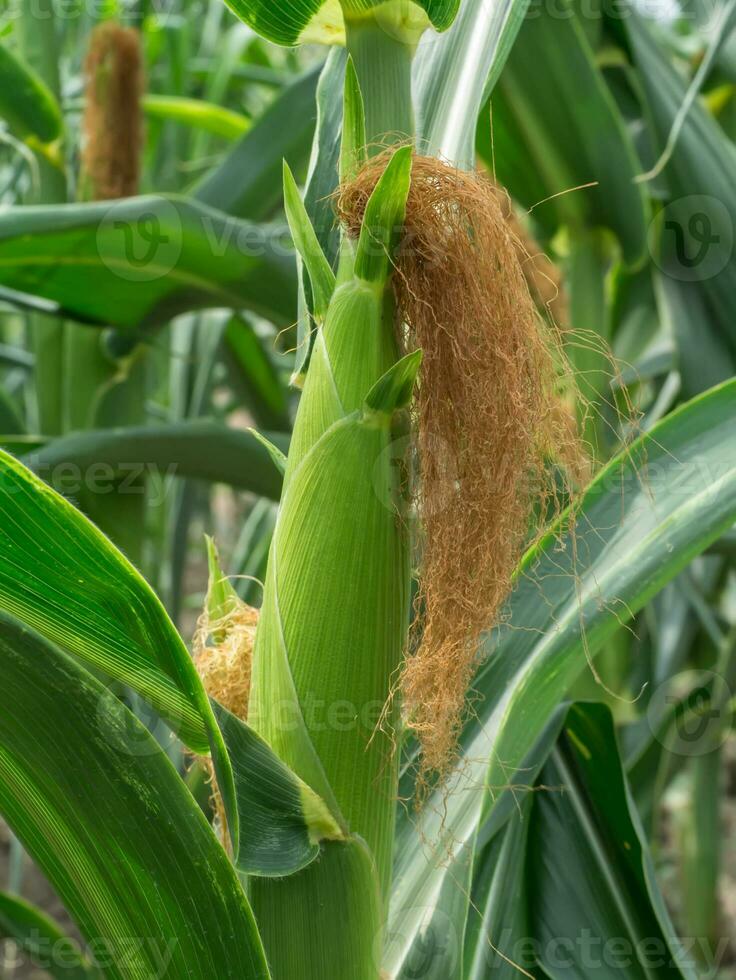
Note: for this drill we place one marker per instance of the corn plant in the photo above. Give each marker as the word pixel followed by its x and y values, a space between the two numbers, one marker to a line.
pixel 306 837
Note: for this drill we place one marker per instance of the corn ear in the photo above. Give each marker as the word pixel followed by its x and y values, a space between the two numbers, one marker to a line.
pixel 335 613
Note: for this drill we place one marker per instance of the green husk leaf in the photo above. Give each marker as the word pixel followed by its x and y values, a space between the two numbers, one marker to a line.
pixel 221 596
pixel 394 389
pixel 353 144
pixel 278 458
pixel 384 215
pixel 321 276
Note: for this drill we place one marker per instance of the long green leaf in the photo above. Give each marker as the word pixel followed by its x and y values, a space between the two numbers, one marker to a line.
pixel 42 940
pixel 142 260
pixel 247 184
pixel 698 224
pixel 321 183
pixel 589 867
pixel 97 804
pixel 571 849
pixel 641 521
pixel 454 74
pixel 201 449
pixel 211 118
pixel 548 141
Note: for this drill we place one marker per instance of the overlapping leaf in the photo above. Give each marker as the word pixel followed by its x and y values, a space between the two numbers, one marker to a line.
pixel 547 140
pixel 42 940
pixel 200 449
pixel 642 520
pixel 95 801
pixel 139 261
pixel 60 575
pixel 572 856
pixel 700 219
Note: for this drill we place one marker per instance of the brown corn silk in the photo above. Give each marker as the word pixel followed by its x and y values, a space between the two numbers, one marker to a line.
pixel 113 128
pixel 489 420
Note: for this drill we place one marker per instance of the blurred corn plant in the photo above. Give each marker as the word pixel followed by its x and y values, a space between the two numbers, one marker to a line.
pixel 148 338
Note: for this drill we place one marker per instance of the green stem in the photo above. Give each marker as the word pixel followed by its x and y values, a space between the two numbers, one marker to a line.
pixel 383 64
pixel 39 48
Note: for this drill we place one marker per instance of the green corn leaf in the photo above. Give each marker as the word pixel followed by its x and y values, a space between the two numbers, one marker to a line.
pixel 568 868
pixel 321 276
pixel 247 184
pixel 293 21
pixel 139 261
pixel 76 589
pixel 454 75
pixel 353 145
pixel 42 940
pixel 211 118
pixel 547 141
pixel 283 822
pixel 255 374
pixel 97 804
pixel 26 104
pixel 698 224
pixel 200 449
pixel 384 216
pixel 277 457
pixel 577 837
pixel 320 186
pixel 394 390
pixel 647 514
